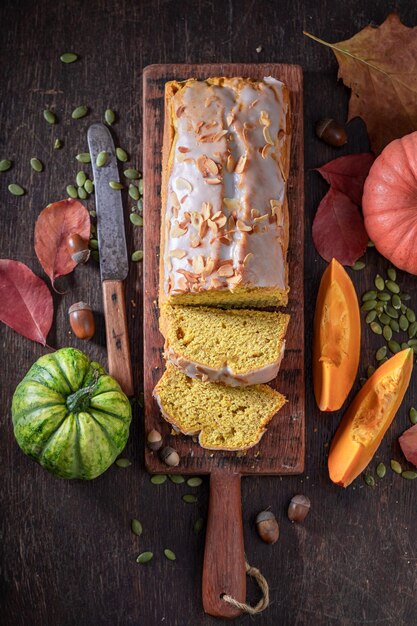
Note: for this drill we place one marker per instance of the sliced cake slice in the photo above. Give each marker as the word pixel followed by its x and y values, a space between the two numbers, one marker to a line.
pixel 225 418
pixel 237 347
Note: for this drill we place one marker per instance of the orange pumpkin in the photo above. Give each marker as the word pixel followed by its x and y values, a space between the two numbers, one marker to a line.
pixel 389 203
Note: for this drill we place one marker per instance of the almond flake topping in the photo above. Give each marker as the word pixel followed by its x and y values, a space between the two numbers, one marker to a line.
pixel 235 280
pixel 226 270
pixel 196 219
pixel 216 215
pixel 231 203
pixel 248 258
pixel 213 181
pixel 180 111
pixel 209 267
pixel 189 276
pixel 182 183
pixel 267 135
pixel 198 264
pixel 174 199
pixel 265 150
pixel 230 163
pixel 216 283
pixel 183 149
pixel 221 221
pixel 254 213
pixel 262 218
pixel 241 164
pixel 213 137
pixel 178 253
pixel 206 209
pixel 230 118
pixel 203 229
pixel 213 226
pixel 194 241
pixel 207 166
pixel 243 227
pixel 177 231
pixel 264 118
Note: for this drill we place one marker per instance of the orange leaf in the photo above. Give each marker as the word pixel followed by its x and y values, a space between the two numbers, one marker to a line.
pixel 25 301
pixel 53 226
pixel 380 66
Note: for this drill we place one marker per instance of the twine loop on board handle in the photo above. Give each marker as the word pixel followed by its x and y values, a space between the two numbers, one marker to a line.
pixel 263 585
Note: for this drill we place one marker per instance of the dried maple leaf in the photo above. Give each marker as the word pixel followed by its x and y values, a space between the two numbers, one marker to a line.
pixel 380 66
pixel 25 301
pixel 53 226
pixel 348 174
pixel 338 230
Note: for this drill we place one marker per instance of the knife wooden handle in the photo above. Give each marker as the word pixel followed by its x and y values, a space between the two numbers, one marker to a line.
pixel 118 350
pixel 224 554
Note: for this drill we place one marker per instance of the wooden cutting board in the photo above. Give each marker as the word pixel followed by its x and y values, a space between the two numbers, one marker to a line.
pixel 281 450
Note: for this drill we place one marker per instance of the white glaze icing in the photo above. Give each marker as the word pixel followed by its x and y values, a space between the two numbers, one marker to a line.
pixel 216 126
pixel 224 374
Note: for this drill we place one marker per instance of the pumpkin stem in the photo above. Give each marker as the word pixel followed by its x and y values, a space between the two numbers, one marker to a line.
pixel 80 400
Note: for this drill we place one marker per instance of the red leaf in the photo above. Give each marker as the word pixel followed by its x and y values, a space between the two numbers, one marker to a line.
pixel 338 230
pixel 52 228
pixel 25 301
pixel 348 174
pixel 408 443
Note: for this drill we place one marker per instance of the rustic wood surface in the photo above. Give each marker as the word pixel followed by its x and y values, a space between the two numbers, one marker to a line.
pixel 281 450
pixel 67 553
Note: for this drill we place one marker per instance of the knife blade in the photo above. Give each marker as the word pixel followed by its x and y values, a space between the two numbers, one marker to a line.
pixel 113 254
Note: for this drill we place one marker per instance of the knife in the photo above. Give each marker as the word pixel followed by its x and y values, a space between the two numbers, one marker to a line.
pixel 113 255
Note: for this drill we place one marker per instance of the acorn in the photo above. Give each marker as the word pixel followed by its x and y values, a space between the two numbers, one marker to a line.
pixel 299 508
pixel 331 132
pixel 81 319
pixel 154 440
pixel 78 248
pixel 267 527
pixel 170 456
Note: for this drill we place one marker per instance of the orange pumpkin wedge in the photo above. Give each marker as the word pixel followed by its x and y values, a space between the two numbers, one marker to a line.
pixel 337 338
pixel 368 418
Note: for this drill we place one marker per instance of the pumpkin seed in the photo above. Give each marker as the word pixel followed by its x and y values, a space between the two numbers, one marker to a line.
pixel 68 57
pixel 403 322
pixel 93 214
pixel 57 144
pixel 403 308
pixel 133 192
pixel 137 255
pixel 370 244
pixel 412 330
pixel 358 265
pixel 95 256
pixel 121 155
pixel 369 480
pixel 72 191
pixel 109 116
pixel 392 274
pixel 89 186
pixel 83 157
pixel 94 244
pixel 393 313
pixel 412 342
pixel 369 295
pixel 102 158
pixel 79 112
pixel 382 361
pixel 404 345
pixel 136 527
pixel 394 346
pixel 16 189
pixel 122 462
pixel 394 325
pixel 379 308
pixel 410 315
pixel 381 470
pixel 5 165
pixel 190 498
pixel 370 370
pixel 369 305
pixel 140 186
pixel 376 328
pixel 158 479
pixel 198 525
pixel 195 481
pixel 177 479
pixel 82 194
pixel 170 555
pixel 413 415
pixel 387 332
pixel 383 296
pixel 396 301
pixel 409 475
pixel 140 205
pixel 381 353
pixel 405 297
pixel 115 185
pixel 131 173
pixel 384 318
pixel 144 557
pixel 362 381
pixel 49 116
pixel 137 220
pixel 80 178
pixel 395 466
pixel 379 282
pixel 392 286
pixel 370 317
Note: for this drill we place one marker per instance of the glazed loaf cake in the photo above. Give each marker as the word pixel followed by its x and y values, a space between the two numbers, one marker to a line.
pixel 225 225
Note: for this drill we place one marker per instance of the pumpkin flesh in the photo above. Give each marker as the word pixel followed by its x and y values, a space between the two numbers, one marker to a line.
pixel 368 418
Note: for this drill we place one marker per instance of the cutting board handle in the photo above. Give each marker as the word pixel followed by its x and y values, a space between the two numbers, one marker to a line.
pixel 224 569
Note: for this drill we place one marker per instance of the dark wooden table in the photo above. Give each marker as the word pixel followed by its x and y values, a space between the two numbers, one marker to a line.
pixel 67 553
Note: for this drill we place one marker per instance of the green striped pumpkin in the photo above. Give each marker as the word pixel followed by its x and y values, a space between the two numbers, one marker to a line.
pixel 70 416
